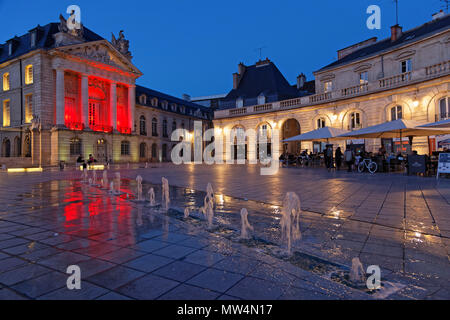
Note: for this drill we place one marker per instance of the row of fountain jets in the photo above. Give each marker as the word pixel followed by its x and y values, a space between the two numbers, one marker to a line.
pixel 289 223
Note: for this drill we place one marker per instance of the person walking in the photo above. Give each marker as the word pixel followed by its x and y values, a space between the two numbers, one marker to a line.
pixel 348 157
pixel 329 157
pixel 338 158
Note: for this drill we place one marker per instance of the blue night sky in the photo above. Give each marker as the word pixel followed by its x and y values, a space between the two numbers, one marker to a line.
pixel 194 46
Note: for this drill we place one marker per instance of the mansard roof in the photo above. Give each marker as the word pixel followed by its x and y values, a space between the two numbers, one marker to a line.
pixel 191 109
pixel 44 40
pixel 263 78
pixel 407 37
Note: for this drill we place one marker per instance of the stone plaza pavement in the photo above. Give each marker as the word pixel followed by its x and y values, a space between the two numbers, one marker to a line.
pixel 51 220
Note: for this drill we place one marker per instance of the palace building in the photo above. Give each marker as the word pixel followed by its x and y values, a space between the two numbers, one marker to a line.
pixel 66 93
pixel 371 82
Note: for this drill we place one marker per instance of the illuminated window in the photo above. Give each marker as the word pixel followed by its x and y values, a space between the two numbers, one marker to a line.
pixel 396 113
pixel 328 86
pixel 6 82
pixel 355 121
pixel 363 77
pixel 154 102
pixel 6 113
pixel 29 74
pixel 320 123
pixel 125 148
pixel 28 108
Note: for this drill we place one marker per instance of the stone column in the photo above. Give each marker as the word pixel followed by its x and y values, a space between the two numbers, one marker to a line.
pixel 85 99
pixel 131 105
pixel 60 107
pixel 113 105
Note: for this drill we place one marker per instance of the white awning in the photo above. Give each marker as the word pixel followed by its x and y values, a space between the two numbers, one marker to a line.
pixel 324 133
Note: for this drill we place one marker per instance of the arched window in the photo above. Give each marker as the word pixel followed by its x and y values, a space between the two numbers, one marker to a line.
pixel 125 148
pixel 143 99
pixel 143 150
pixel 154 102
pixel 6 148
pixel 29 74
pixel 164 128
pixel 75 147
pixel 142 126
pixel 396 113
pixel 174 125
pixel 320 123
pixel 444 108
pixel 154 151
pixel 17 147
pixel 154 127
pixel 354 121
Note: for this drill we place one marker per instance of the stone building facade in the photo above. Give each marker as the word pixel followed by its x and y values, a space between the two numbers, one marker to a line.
pixel 405 76
pixel 66 93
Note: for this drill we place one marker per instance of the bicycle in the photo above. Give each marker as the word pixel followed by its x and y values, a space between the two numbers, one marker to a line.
pixel 368 164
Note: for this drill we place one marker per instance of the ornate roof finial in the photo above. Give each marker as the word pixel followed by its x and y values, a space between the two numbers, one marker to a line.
pixel 121 44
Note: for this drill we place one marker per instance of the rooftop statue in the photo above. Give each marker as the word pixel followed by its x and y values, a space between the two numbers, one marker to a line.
pixel 121 44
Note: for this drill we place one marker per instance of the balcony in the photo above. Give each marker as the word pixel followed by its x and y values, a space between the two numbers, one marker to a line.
pixel 79 126
pixel 379 85
pixel 101 128
pixel 124 130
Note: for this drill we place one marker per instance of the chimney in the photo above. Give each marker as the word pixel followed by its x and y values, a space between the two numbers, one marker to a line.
pixel 396 32
pixel 301 79
pixel 236 79
pixel 241 68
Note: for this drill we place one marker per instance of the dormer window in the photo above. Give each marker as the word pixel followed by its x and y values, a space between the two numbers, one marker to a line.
pixel 239 102
pixel 173 107
pixel 261 99
pixel 405 66
pixel 328 86
pixel 363 77
pixel 143 99
pixel 29 74
pixel 10 48
pixel 154 102
pixel 33 39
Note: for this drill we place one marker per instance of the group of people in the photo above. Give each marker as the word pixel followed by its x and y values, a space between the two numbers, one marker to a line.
pixel 85 163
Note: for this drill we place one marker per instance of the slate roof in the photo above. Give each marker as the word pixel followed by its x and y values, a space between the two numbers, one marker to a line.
pixel 190 107
pixel 407 37
pixel 44 41
pixel 262 78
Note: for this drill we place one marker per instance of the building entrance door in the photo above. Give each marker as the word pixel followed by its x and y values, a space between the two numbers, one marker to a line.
pixel 101 151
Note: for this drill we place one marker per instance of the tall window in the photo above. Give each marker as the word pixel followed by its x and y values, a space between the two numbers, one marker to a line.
pixel 328 86
pixel 396 113
pixel 154 127
pixel 174 125
pixel 143 150
pixel 405 66
pixel 320 123
pixel 444 108
pixel 355 120
pixel 125 148
pixel 164 128
pixel 142 126
pixel 28 108
pixel 363 77
pixel 239 102
pixel 75 147
pixel 154 151
pixel 94 108
pixel 6 113
pixel 261 99
pixel 29 74
pixel 6 82
pixel 164 152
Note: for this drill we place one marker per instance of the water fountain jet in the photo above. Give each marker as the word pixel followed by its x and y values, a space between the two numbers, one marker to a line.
pixel 165 193
pixel 245 225
pixel 290 219
pixel 139 188
pixel 105 179
pixel 357 274
pixel 151 194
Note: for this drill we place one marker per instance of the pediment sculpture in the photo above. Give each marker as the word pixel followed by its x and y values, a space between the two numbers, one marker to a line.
pixel 121 44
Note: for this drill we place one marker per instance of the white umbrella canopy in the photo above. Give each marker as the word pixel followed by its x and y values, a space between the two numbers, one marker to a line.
pixel 439 124
pixel 395 129
pixel 324 133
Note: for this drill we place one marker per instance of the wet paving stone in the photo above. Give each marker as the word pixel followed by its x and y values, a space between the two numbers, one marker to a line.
pixel 217 280
pixel 148 287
